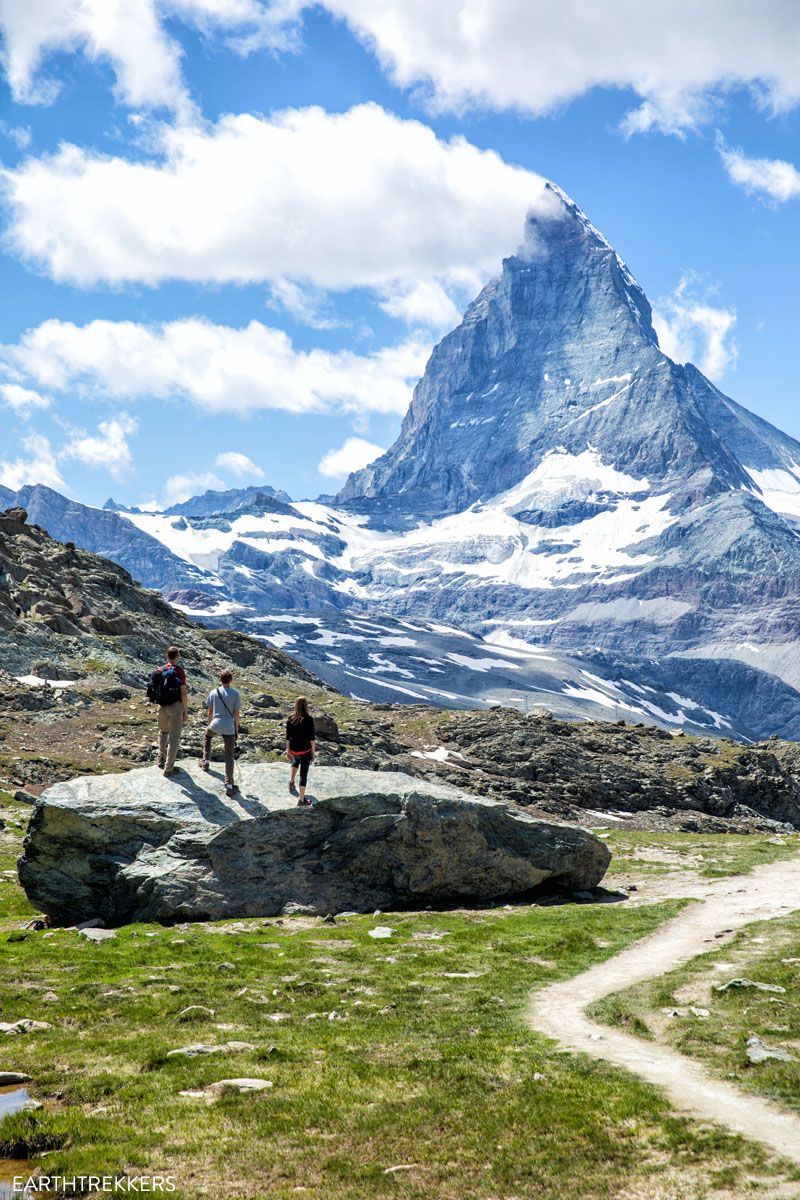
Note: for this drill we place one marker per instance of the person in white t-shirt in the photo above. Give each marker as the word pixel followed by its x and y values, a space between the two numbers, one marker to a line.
pixel 223 705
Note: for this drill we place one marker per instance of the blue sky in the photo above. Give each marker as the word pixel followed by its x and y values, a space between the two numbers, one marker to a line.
pixel 233 229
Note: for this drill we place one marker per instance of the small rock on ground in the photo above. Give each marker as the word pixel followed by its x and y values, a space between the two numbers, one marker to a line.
pixel 239 1085
pixel 757 1052
pixel 195 1012
pixel 23 1025
pixel 212 1091
pixel 202 1048
pixel 749 983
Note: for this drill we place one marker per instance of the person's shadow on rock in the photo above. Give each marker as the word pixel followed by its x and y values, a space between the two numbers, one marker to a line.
pixel 210 806
pixel 252 805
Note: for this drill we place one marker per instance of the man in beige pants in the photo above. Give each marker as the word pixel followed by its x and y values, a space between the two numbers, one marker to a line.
pixel 172 714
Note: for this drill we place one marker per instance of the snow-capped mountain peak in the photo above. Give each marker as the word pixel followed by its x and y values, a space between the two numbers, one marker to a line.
pixel 557 481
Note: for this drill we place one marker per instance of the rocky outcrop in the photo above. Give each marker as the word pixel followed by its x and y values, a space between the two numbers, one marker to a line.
pixel 630 771
pixel 326 728
pixel 61 607
pixel 140 847
pixel 104 532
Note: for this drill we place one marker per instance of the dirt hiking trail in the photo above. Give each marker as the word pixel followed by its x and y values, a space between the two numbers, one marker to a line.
pixel 722 906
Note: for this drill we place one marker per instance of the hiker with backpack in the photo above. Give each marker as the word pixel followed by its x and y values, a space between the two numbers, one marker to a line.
pixel 301 747
pixel 223 706
pixel 167 689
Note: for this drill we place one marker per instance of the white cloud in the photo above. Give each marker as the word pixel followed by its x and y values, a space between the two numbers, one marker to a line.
pixel 107 449
pixel 40 465
pixel 216 367
pixel 306 304
pixel 21 399
pixel 335 200
pixel 770 177
pixel 130 36
pixel 182 487
pixel 677 56
pixel 125 33
pixel 422 304
pixel 20 135
pixel 691 329
pixel 239 465
pixel 352 456
pixel 185 485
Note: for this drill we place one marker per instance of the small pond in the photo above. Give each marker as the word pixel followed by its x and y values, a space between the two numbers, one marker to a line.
pixel 12 1099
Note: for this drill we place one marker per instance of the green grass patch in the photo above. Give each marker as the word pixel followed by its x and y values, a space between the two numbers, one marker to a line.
pixel 712 856
pixel 410 1051
pixel 13 901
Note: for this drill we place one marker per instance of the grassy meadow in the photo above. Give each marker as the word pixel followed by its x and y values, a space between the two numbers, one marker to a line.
pixel 400 1066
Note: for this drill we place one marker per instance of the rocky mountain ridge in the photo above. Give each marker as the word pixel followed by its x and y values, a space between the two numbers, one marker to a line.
pixel 559 488
pixel 66 613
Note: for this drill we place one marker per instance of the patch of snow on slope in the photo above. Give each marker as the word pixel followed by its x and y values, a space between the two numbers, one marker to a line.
pixel 222 608
pixel 331 637
pixel 659 610
pixel 454 632
pixel 38 681
pixel 203 545
pixel 626 378
pixel 392 687
pixel 593 695
pixel 482 664
pixel 779 489
pixel 515 646
pixel 686 702
pixel 279 640
pixel 597 407
pixel 567 476
pixel 384 666
pixel 288 617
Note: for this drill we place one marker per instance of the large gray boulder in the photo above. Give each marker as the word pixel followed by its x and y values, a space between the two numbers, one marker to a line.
pixel 139 847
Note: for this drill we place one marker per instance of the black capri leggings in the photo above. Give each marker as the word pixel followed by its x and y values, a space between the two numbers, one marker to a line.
pixel 303 761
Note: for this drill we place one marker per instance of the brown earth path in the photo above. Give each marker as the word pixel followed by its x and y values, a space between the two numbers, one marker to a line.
pixel 721 906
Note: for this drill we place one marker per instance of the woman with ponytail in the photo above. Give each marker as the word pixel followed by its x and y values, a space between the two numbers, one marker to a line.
pixel 301 747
